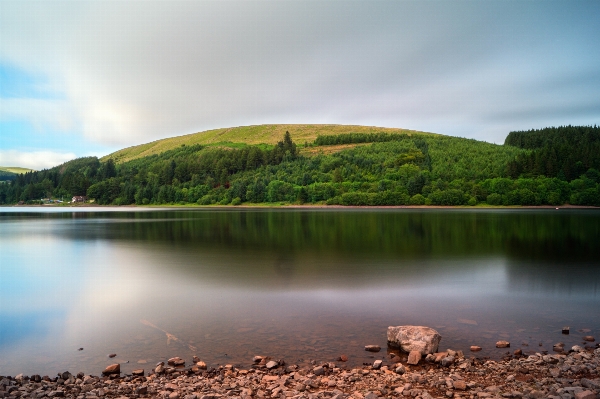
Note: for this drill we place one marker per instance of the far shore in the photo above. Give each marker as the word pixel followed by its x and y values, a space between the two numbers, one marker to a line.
pixel 300 206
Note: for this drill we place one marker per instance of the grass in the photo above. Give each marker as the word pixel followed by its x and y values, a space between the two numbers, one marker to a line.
pixel 15 169
pixel 247 135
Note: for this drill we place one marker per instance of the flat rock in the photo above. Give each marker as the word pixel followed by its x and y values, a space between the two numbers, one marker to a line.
pixel 502 344
pixel 589 338
pixel 271 365
pixel 138 372
pixel 410 338
pixel 414 357
pixel 377 364
pixel 460 385
pixel 112 369
pixel 176 361
pixel 475 348
pixel 373 348
pixel 201 365
pixel 343 358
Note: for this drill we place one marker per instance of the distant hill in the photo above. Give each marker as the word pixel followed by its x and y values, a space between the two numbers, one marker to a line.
pixel 11 172
pixel 15 169
pixel 248 135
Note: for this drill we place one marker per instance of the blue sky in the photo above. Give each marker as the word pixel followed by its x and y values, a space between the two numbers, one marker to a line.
pixel 88 78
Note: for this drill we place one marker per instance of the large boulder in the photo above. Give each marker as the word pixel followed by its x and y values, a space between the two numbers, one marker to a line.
pixel 414 338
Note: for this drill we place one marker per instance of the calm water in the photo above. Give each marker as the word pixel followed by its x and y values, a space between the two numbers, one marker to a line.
pixel 294 284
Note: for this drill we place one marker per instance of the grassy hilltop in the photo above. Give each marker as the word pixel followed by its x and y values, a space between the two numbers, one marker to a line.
pixel 247 135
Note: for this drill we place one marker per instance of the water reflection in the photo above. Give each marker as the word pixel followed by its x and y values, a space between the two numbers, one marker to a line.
pixel 298 284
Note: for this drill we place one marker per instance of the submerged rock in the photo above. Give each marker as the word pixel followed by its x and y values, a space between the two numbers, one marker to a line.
pixel 414 338
pixel 372 348
pixel 502 344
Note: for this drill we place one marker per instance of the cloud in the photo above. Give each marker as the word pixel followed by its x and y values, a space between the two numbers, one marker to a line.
pixel 34 160
pixel 133 72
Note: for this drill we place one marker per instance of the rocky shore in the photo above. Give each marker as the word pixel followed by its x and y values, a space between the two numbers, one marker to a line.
pixel 411 368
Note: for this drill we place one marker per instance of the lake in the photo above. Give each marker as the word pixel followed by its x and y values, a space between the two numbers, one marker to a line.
pixel 293 284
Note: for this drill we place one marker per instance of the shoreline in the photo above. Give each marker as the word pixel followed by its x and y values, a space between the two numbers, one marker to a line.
pixel 564 375
pixel 305 206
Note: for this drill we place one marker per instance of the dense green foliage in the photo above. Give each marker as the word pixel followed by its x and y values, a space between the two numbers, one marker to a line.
pixel 374 169
pixel 566 151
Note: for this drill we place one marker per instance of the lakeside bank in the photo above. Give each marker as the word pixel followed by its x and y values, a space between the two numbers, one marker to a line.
pixel 568 375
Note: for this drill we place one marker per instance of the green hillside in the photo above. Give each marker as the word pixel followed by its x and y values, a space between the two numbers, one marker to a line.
pixel 248 135
pixel 333 165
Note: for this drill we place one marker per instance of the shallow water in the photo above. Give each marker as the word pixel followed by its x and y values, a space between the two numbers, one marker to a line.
pixel 297 284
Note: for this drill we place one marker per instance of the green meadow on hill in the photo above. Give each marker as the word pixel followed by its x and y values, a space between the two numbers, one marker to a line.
pixel 334 165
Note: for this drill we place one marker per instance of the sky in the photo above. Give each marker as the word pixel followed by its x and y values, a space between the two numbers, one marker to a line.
pixel 81 78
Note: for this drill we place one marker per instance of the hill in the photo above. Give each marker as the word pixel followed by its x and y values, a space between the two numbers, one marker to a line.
pixel 335 165
pixel 247 135
pixel 8 173
pixel 15 169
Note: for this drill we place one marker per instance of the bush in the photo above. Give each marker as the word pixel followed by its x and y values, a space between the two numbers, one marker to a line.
pixel 236 201
pixel 417 199
pixel 494 199
pixel 472 201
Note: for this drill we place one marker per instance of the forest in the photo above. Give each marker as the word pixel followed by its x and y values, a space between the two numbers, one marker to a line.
pixel 551 166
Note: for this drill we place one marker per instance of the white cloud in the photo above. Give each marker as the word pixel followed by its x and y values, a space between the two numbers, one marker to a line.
pixel 133 72
pixel 35 160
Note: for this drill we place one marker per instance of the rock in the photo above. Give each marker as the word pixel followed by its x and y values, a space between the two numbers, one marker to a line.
pixel 400 369
pixel 112 369
pixel 159 369
pixel 173 395
pixel 585 395
pixel 592 384
pixel 589 338
pixel 565 330
pixel 112 355
pixel 558 347
pixel 138 372
pixel 447 361
pixel 475 348
pixel 518 352
pixel 195 359
pixel 343 358
pixel 502 344
pixel 257 359
pixel 414 357
pixel 141 390
pixel 201 365
pixel 271 365
pixel 318 370
pixel 377 364
pixel 410 338
pixel 372 348
pixel 460 385
pixel 176 361
pixel 373 395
